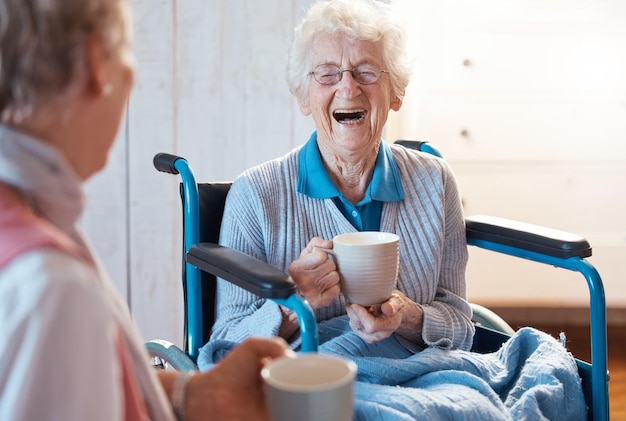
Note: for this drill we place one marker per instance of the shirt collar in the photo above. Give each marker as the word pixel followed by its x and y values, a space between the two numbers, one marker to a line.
pixel 314 181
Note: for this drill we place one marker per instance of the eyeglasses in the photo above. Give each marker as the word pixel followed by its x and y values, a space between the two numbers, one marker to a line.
pixel 330 74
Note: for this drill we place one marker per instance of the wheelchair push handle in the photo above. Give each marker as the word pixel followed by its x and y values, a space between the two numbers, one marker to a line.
pixel 166 162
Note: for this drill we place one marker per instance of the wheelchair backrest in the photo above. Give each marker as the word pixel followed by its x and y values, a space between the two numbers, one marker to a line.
pixel 211 200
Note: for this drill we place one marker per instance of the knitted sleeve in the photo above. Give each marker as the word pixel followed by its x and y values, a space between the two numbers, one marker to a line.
pixel 434 250
pixel 239 313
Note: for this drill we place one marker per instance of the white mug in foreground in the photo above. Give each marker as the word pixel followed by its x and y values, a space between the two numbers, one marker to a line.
pixel 367 263
pixel 310 387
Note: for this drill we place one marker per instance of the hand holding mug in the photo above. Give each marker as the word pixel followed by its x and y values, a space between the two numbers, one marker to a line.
pixel 396 315
pixel 315 274
pixel 310 387
pixel 233 389
pixel 377 322
pixel 367 263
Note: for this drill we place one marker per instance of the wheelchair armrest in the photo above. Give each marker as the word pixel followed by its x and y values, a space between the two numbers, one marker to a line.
pixel 528 237
pixel 242 270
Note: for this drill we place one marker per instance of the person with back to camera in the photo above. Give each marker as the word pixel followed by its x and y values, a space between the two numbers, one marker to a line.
pixel 68 347
pixel 348 67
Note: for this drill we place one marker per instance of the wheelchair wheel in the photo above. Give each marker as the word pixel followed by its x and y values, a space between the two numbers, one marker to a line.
pixel 482 316
pixel 166 356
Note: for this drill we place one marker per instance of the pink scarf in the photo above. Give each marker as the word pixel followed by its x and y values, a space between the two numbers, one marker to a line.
pixel 21 230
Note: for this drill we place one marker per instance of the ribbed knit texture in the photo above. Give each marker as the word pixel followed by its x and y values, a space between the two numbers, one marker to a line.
pixel 267 218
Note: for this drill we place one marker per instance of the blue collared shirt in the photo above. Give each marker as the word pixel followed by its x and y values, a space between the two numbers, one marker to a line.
pixel 385 186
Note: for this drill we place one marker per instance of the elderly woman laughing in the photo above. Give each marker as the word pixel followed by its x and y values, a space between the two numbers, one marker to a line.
pixel 348 68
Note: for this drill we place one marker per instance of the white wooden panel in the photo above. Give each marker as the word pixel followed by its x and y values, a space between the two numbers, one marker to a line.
pixel 583 199
pixel 533 50
pixel 493 277
pixel 105 221
pixel 598 11
pixel 198 110
pixel 301 126
pixel 154 254
pixel 239 112
pixel 268 100
pixel 531 56
pixel 523 128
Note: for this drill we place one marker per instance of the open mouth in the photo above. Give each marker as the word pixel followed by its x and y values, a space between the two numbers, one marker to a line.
pixel 349 116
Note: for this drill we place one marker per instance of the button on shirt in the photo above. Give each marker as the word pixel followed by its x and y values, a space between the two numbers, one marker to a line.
pixel 385 186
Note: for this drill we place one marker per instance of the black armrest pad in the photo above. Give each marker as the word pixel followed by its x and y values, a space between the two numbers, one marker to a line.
pixel 245 271
pixel 525 236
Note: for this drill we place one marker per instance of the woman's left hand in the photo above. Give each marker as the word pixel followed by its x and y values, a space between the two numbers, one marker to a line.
pixel 378 322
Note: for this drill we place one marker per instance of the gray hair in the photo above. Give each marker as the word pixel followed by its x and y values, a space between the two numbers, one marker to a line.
pixel 42 48
pixel 364 20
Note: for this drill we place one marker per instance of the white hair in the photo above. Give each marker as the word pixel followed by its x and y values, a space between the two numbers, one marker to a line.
pixel 363 20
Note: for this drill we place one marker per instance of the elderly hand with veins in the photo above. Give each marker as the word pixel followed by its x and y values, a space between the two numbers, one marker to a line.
pixel 315 274
pixel 396 315
pixel 317 279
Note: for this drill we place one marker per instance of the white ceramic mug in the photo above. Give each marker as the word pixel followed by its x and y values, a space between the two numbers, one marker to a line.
pixel 310 387
pixel 367 263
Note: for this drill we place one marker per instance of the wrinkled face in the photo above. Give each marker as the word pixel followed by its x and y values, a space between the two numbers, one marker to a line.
pixel 349 115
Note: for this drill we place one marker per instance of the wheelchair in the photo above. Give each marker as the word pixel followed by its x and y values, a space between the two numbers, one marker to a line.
pixel 204 260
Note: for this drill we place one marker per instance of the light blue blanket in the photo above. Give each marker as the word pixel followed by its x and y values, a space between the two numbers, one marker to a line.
pixel 532 377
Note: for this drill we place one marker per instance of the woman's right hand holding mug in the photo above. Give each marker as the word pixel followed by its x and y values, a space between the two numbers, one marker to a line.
pixel 315 274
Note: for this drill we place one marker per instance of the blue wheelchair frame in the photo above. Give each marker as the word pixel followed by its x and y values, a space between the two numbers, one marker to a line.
pixel 597 396
pixel 483 232
pixel 285 296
